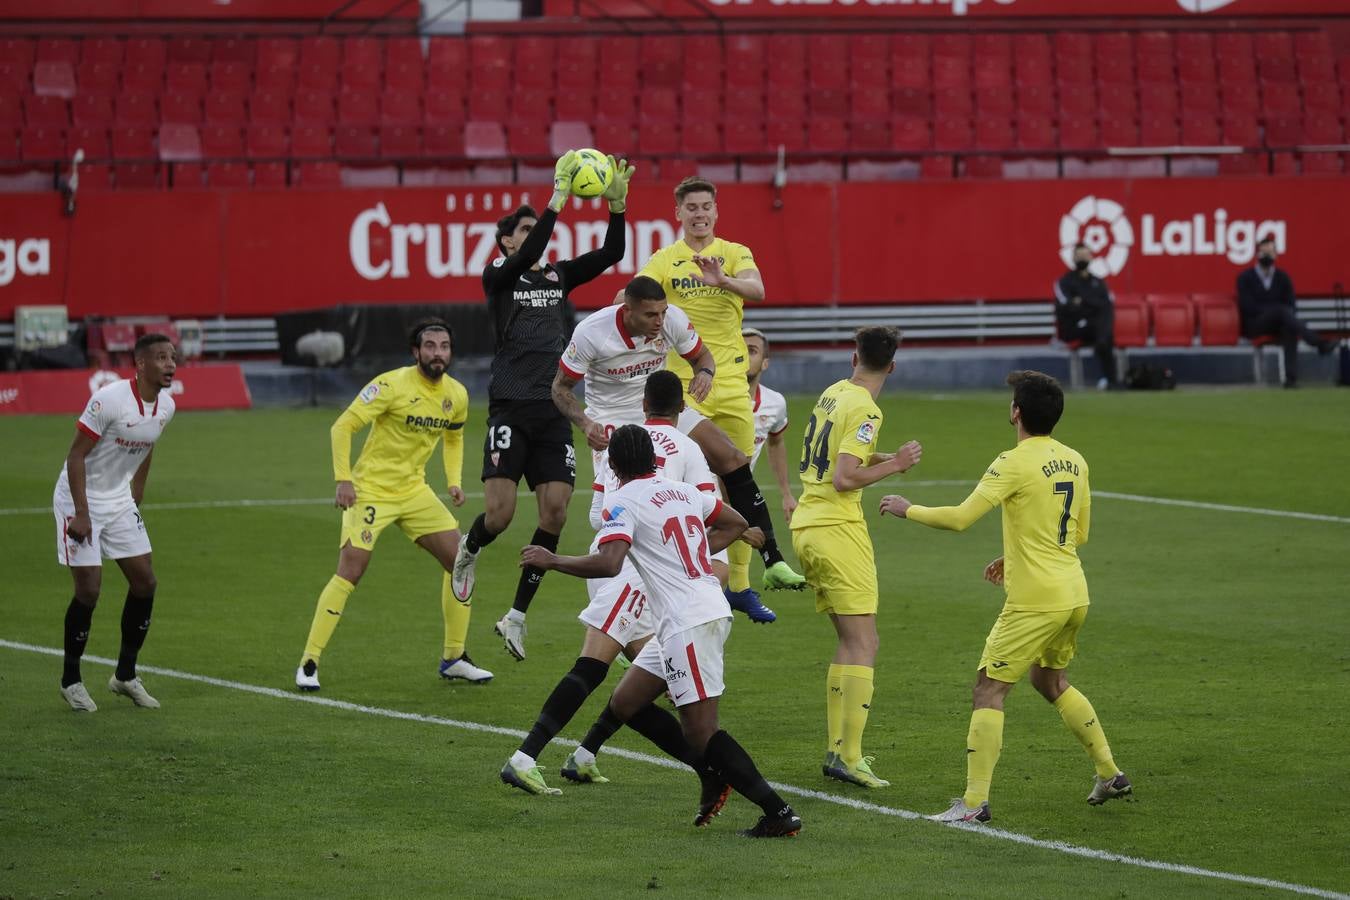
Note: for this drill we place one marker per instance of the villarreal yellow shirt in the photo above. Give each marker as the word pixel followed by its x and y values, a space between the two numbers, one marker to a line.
pixel 716 313
pixel 1042 486
pixel 845 420
pixel 408 415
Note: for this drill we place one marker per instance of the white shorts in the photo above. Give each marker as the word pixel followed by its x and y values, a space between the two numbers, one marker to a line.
pixel 115 535
pixel 690 661
pixel 619 606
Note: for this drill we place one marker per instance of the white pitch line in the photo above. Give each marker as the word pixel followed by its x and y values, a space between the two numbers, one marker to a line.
pixel 768 489
pixel 861 805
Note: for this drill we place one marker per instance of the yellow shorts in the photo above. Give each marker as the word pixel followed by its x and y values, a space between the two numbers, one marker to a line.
pixel 1022 637
pixel 728 406
pixel 838 563
pixel 417 514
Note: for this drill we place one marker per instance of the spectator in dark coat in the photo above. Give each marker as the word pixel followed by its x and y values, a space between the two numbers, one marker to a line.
pixel 1266 305
pixel 1085 311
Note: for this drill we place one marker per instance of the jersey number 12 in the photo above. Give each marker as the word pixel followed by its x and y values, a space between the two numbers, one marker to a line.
pixel 675 530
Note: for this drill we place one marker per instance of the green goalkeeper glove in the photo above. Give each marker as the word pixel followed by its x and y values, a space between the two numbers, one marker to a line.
pixel 562 180
pixel 617 192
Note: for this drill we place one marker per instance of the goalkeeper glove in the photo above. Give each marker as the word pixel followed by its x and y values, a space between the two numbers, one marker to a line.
pixel 617 192
pixel 562 180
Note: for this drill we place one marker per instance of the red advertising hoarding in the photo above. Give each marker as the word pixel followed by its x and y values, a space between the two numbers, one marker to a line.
pixel 920 9
pixel 68 390
pixel 239 253
pixel 206 9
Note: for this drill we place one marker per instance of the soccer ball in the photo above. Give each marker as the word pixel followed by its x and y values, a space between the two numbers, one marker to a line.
pixel 593 174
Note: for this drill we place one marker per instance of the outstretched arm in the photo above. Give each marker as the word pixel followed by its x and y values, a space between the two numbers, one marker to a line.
pixel 604 563
pixel 948 518
pixel 593 264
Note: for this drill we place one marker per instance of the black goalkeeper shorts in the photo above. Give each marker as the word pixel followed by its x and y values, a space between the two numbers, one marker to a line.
pixel 529 439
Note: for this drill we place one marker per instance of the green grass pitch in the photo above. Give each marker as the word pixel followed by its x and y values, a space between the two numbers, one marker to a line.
pixel 1215 653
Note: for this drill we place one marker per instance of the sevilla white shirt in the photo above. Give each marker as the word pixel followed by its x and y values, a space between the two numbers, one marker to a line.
pixel 771 417
pixel 678 458
pixel 126 429
pixel 665 523
pixel 615 364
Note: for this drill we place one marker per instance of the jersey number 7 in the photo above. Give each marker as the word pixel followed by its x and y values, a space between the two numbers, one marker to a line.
pixel 1065 488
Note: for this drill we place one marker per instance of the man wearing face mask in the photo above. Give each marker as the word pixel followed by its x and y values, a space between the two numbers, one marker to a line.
pixel 1085 312
pixel 1266 304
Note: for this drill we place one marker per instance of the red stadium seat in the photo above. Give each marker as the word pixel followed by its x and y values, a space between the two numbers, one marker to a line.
pixel 185 78
pixel 617 138
pixel 312 142
pixel 278 51
pixel 441 141
pixel 993 133
pixel 1285 163
pixel 828 103
pixel 869 105
pixel 400 108
pixel 1243 164
pixel 57 50
pixel 132 142
pixel 953 134
pixel 92 140
pixel 1217 316
pixel 222 142
pixel 1173 319
pixel 487 105
pixel 11 113
pixel 269 108
pixel 826 135
pixel 444 108
pixel 54 78
pixel 953 102
pixel 1118 101
pixel 1036 100
pixel 1200 131
pixel 1323 97
pixel 91 109
pixel 911 101
pixel 50 111
pixel 356 142
pixel 179 142
pixel 362 51
pixel 228 176
pixel 1161 131
pixel 180 108
pixel 1122 132
pixel 136 109
pixel 361 78
pixel 276 79
pixel 1158 100
pixel 789 134
pixel 267 142
pixel 937 167
pixel 911 133
pixel 1131 321
pixel 100 50
pixel 951 72
pixel 1078 134
pixel 313 108
pixel 317 77
pixel 1077 100
pixel 567 135
pixel 356 108
pixel 321 51
pixel 1278 99
pixel 138 176
pixel 42 143
pixel 911 72
pixel 225 108
pixel 994 101
pixel 1321 164
pixel 232 77
pixel 318 175
pixel 535 106
pixel 1240 129
pixel 1036 133
pixel 1284 131
pixel 484 140
pixel 400 142
pixel 655 140
pixel 404 78
pixel 528 139
pixel 1199 98
pixel 869 136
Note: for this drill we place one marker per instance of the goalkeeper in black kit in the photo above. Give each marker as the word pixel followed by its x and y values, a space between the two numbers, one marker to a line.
pixel 526 435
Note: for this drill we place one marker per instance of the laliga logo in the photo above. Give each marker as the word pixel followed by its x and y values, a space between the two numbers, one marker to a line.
pixel 1102 225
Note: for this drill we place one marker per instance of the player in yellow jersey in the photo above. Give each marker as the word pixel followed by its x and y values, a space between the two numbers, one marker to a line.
pixel 710 279
pixel 1042 486
pixel 410 411
pixel 831 540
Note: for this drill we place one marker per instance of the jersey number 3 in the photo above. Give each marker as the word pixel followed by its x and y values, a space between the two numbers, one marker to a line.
pixel 680 532
pixel 820 455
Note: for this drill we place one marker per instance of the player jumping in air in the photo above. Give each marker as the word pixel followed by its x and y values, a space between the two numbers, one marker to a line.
pixel 831 539
pixel 710 279
pixel 619 617
pixel 410 411
pixel 527 436
pixel 1042 486
pixel 97 507
pixel 615 350
pixel 670 529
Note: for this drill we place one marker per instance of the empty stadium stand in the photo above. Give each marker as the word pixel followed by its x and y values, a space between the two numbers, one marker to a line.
pixel 229 111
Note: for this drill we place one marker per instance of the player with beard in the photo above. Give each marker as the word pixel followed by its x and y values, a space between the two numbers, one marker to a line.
pixel 410 410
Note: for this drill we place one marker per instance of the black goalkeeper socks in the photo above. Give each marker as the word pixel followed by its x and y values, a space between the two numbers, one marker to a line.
pixel 531 576
pixel 478 536
pixel 135 626
pixel 735 765
pixel 78 618
pixel 745 498
pixel 587 674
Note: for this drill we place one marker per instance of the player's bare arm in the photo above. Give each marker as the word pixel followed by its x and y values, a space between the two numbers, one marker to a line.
pixel 748 285
pixel 604 563
pixel 80 527
pixel 850 473
pixel 778 462
pixel 456 495
pixel 705 368
pixel 139 479
pixel 726 528
pixel 565 398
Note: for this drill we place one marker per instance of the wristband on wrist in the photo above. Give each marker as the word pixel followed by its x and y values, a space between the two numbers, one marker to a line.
pixel 710 372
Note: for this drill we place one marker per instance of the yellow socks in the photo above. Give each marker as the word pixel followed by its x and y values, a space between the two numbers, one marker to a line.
pixel 984 741
pixel 1081 718
pixel 834 708
pixel 456 617
pixel 856 688
pixel 327 615
pixel 738 558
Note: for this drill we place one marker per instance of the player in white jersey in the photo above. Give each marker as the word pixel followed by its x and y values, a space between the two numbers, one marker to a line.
pixel 670 529
pixel 615 350
pixel 618 617
pixel 769 411
pixel 96 504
